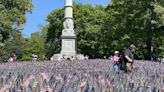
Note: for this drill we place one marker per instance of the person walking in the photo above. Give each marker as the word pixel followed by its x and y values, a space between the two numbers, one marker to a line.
pixel 129 58
pixel 115 59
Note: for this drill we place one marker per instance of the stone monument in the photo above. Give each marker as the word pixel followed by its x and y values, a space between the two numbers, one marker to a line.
pixel 68 37
pixel 68 33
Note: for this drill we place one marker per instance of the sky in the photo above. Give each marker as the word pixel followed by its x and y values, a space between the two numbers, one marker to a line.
pixel 44 7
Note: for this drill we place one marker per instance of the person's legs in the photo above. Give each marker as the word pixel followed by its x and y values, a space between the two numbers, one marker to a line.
pixel 116 68
pixel 119 66
pixel 124 66
pixel 132 65
pixel 129 67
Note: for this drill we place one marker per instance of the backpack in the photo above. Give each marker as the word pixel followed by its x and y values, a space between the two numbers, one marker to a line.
pixel 122 62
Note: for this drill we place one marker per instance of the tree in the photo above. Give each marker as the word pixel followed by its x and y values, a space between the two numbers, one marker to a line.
pixel 34 45
pixel 12 15
pixel 88 21
pixel 135 21
pixel 13 45
pixel 102 30
pixel 12 18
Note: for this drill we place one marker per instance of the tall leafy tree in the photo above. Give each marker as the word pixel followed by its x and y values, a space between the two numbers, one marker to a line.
pixel 13 45
pixel 135 21
pixel 88 21
pixel 12 19
pixel 34 45
pixel 101 30
pixel 12 15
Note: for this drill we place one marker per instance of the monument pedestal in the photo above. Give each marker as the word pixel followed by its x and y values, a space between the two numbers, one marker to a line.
pixel 68 49
pixel 59 57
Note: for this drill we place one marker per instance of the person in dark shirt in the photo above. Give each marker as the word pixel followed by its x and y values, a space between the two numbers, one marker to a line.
pixel 129 57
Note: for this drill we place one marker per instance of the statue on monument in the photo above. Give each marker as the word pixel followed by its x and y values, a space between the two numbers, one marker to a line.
pixel 68 24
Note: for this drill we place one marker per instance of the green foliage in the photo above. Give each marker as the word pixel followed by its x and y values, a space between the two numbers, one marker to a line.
pixel 138 22
pixel 12 15
pixel 13 45
pixel 88 21
pixel 34 45
pixel 53 30
pixel 12 18
pixel 102 30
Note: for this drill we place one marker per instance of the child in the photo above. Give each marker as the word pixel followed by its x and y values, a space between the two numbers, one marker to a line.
pixel 115 59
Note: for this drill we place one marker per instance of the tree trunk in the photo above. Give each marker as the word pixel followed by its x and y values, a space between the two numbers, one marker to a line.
pixel 149 46
pixel 149 41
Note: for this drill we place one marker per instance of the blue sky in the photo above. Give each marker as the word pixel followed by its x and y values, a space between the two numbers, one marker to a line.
pixel 43 7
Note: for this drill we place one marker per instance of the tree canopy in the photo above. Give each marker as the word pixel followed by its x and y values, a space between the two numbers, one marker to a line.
pixel 12 18
pixel 34 45
pixel 101 30
pixel 139 22
pixel 88 21
pixel 12 15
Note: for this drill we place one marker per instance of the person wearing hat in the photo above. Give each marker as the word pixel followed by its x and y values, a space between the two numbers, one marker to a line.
pixel 115 59
pixel 129 57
